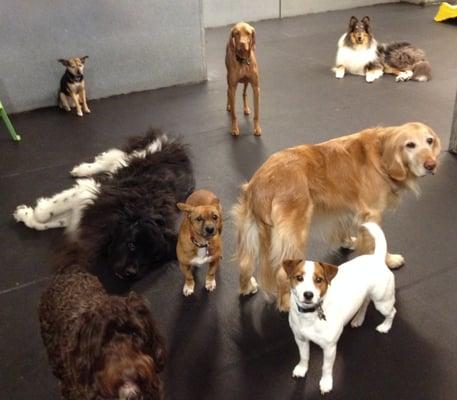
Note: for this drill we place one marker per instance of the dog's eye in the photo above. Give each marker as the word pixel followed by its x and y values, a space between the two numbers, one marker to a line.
pixel 199 219
pixel 318 279
pixel 430 140
pixel 215 217
pixel 411 145
pixel 131 246
pixel 299 278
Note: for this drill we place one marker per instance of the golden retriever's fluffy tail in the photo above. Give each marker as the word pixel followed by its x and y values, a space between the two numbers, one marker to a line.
pixel 247 237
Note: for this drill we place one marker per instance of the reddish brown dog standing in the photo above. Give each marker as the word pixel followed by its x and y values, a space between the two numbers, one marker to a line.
pixel 242 67
pixel 199 240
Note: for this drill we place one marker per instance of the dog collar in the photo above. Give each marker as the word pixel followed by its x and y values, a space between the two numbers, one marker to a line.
pixel 196 243
pixel 242 60
pixel 317 307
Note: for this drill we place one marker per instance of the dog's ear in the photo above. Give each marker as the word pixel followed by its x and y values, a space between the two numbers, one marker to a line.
pixel 232 38
pixel 329 271
pixel 88 345
pixel 391 157
pixel 185 207
pixel 366 23
pixel 83 59
pixel 154 343
pixel 352 23
pixel 253 39
pixel 63 62
pixel 290 266
pixel 436 147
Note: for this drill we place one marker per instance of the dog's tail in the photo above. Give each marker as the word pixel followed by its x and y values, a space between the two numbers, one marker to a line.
pixel 247 237
pixel 380 248
pixel 422 71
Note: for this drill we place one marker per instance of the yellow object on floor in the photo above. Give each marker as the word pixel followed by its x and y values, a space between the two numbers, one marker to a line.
pixel 445 11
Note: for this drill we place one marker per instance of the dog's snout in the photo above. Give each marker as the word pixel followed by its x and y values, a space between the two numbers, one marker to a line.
pixel 308 295
pixel 430 165
pixel 209 230
pixel 130 272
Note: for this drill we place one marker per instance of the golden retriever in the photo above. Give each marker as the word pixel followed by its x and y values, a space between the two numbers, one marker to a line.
pixel 242 67
pixel 335 186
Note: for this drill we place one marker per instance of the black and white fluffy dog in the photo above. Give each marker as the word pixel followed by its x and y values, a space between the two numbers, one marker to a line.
pixel 123 213
pixel 359 54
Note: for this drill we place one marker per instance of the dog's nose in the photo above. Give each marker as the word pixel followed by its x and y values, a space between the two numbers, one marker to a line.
pixel 130 272
pixel 430 165
pixel 209 230
pixel 308 295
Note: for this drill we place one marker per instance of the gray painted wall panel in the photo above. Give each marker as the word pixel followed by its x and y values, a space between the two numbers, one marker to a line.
pixel 132 45
pixel 224 12
pixel 299 7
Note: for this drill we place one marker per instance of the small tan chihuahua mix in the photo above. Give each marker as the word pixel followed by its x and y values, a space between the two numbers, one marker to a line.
pixel 199 239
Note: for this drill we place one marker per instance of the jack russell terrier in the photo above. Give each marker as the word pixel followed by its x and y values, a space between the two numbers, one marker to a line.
pixel 324 298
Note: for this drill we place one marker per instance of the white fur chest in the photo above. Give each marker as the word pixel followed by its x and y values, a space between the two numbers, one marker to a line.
pixel 202 257
pixel 354 60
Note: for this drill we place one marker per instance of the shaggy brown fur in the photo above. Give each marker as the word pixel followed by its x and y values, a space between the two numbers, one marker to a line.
pixel 336 185
pixel 402 57
pixel 100 346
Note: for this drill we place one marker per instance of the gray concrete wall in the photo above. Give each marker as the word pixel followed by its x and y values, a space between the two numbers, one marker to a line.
pixel 224 12
pixel 291 8
pixel 132 45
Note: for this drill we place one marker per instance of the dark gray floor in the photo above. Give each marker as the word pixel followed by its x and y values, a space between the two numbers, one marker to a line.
pixel 221 347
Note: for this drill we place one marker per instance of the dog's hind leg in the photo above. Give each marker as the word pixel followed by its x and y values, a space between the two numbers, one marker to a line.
pixel 359 317
pixel 291 219
pixel 385 304
pixel 64 101
pixel 108 161
pixel 26 215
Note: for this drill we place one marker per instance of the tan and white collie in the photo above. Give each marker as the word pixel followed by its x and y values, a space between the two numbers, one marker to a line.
pixel 358 52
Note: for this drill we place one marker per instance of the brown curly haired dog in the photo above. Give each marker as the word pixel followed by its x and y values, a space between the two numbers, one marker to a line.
pixel 100 346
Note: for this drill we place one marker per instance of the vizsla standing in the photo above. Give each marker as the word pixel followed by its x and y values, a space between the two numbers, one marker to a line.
pixel 242 67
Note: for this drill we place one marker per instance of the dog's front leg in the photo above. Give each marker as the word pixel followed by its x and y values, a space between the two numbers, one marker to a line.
pixel 256 89
pixel 108 161
pixel 246 109
pixel 339 71
pixel 301 368
pixel 84 100
pixel 75 98
pixel 210 283
pixel 326 382
pixel 373 71
pixel 231 100
pixel 189 282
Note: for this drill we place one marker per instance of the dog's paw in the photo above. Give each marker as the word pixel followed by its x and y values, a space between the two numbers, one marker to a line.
pixel 188 289
pixel 350 243
pixel 373 75
pixel 246 111
pixel 339 73
pixel 394 261
pixel 326 384
pixel 299 371
pixel 257 131
pixel 79 113
pixel 404 76
pixel 22 213
pixel 81 170
pixel 383 328
pixel 210 285
pixel 87 110
pixel 251 288
pixel 235 131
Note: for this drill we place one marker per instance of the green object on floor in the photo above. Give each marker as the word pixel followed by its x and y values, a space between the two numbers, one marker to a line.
pixel 8 124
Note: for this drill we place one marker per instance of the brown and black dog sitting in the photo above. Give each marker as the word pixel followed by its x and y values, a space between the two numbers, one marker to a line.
pixel 72 92
pixel 199 240
pixel 242 67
